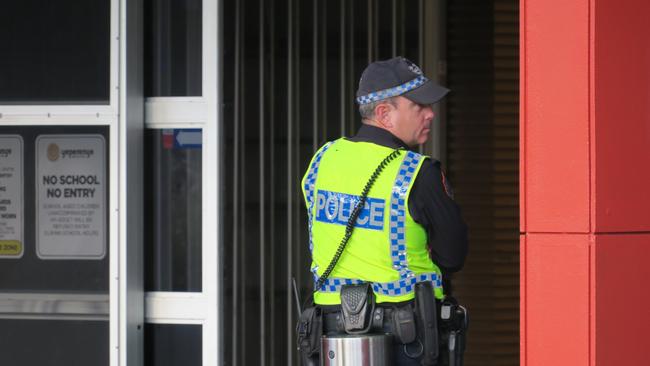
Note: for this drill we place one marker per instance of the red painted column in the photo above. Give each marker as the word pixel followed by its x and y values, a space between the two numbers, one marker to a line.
pixel 585 182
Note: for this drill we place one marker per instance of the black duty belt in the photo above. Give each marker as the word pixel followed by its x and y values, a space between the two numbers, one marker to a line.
pixel 382 316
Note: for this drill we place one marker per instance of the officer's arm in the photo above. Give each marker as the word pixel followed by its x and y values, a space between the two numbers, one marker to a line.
pixel 432 206
pixel 303 181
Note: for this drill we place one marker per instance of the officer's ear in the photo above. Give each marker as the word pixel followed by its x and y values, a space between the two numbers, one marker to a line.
pixel 382 114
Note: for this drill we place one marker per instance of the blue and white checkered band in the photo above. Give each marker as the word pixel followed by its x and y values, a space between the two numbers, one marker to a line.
pixel 407 285
pixel 395 288
pixel 310 182
pixel 407 279
pixel 392 92
pixel 398 213
pixel 334 284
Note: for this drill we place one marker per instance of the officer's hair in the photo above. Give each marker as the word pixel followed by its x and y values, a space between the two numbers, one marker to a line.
pixel 367 111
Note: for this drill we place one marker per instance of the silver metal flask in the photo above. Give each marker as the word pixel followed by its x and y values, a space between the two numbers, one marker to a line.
pixel 356 350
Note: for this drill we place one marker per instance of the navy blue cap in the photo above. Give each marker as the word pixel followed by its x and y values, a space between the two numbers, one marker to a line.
pixel 397 76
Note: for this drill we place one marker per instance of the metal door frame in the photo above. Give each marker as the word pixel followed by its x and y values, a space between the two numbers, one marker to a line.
pixel 197 112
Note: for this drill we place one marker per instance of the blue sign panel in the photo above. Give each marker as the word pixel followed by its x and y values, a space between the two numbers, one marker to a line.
pixel 335 208
pixel 188 138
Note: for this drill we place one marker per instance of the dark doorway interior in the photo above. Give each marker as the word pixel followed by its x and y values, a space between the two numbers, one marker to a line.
pixel 289 76
pixel 483 165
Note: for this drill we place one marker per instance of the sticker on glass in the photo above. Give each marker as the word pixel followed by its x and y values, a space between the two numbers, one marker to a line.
pixel 71 196
pixel 11 196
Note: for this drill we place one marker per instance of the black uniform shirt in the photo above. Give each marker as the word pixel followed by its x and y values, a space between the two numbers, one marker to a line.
pixel 430 204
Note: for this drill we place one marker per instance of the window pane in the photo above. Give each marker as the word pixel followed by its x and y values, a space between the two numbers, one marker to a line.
pixel 54 342
pixel 172 345
pixel 55 52
pixel 173 204
pixel 80 220
pixel 173 45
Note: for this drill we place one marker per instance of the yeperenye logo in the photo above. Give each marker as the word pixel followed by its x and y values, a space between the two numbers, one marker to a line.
pixel 53 152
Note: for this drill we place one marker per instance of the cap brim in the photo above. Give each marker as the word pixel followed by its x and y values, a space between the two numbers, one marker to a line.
pixel 428 93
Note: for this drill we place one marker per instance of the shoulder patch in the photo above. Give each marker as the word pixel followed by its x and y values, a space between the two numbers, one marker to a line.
pixel 446 185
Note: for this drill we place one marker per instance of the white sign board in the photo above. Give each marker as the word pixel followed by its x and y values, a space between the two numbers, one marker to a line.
pixel 71 196
pixel 11 196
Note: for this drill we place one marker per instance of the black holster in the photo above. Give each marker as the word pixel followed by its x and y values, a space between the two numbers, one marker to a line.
pixel 453 324
pixel 427 322
pixel 309 331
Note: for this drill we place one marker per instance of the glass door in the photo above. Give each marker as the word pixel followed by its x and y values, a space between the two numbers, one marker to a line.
pixel 181 189
pixel 58 182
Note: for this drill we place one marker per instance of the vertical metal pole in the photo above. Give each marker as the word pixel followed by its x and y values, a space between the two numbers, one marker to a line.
pixel 433 50
pixel 242 212
pixel 351 79
pixel 441 70
pixel 323 63
pixel 402 25
pixel 314 82
pixel 402 22
pixel 421 19
pixel 272 226
pixel 236 189
pixel 394 28
pixel 290 348
pixel 421 33
pixel 219 323
pixel 370 29
pixel 297 105
pixel 342 67
pixel 262 186
pixel 375 30
pixel 242 279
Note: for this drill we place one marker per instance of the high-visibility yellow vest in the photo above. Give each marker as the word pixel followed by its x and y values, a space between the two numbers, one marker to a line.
pixel 387 248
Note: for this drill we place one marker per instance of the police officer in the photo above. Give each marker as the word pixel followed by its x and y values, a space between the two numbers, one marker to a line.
pixel 409 230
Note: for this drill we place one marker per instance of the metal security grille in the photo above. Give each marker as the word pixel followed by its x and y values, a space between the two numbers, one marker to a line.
pixel 289 79
pixel 290 74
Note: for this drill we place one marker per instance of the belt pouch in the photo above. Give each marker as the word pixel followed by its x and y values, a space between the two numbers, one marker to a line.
pixel 425 304
pixel 404 324
pixel 309 331
pixel 357 305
